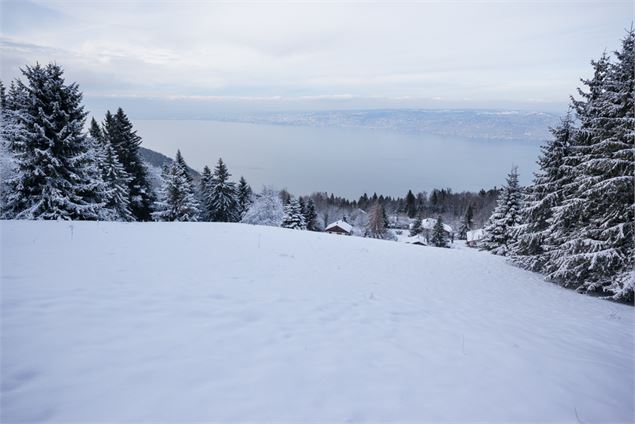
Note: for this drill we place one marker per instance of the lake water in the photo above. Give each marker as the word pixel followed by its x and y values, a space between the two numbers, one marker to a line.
pixel 347 162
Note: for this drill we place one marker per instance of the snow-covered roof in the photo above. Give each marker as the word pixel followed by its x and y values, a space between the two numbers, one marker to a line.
pixel 418 239
pixel 428 224
pixel 475 235
pixel 341 224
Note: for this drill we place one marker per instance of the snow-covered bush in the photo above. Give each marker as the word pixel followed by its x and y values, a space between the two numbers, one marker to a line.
pixel 266 209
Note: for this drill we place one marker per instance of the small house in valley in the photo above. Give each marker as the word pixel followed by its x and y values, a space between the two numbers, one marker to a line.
pixel 428 224
pixel 417 240
pixel 339 227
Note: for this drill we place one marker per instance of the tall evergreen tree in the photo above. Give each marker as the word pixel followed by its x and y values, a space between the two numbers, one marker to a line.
pixel 181 162
pixel 177 201
pixel 362 203
pixel 244 196
pixel 310 216
pixel 205 189
pixel 95 131
pixel 293 216
pixel 595 222
pixel 569 264
pixel 3 96
pixel 56 174
pixel 118 131
pixel 222 196
pixel 285 196
pixel 117 198
pixel 411 206
pixel 416 227
pixel 501 228
pixel 15 110
pixel 439 237
pixel 535 244
pixel 7 163
pixel 618 224
pixel 115 179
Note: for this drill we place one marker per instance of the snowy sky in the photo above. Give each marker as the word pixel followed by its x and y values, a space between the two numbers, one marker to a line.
pixel 496 53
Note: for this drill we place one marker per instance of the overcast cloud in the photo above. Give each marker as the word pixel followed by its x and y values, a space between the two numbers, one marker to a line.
pixel 358 54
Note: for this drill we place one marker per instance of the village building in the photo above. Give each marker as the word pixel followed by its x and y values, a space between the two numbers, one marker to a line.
pixel 427 226
pixel 417 240
pixel 339 227
pixel 429 223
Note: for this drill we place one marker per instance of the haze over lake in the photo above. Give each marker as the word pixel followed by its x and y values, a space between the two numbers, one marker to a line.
pixel 344 161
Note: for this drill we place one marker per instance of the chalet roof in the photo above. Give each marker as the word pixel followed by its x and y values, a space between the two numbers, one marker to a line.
pixel 341 224
pixel 418 239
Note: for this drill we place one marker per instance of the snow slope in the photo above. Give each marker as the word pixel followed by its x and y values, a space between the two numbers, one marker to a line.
pixel 237 323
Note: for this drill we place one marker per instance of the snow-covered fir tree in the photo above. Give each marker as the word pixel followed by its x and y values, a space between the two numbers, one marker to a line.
pixel 116 180
pixel 95 131
pixel 439 237
pixel 177 200
pixel 566 233
pixel 535 244
pixel 116 195
pixel 595 222
pixel 56 173
pixel 618 224
pixel 415 228
pixel 466 223
pixel 119 132
pixel 293 216
pixel 302 205
pixel 205 187
pixel 244 196
pixel 3 96
pixel 310 216
pixel 285 196
pixel 266 209
pixel 222 196
pixel 181 162
pixel 502 225
pixel 411 206
pixel 16 100
pixel 7 162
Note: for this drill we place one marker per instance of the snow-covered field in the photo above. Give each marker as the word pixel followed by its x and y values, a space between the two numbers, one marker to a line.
pixel 236 323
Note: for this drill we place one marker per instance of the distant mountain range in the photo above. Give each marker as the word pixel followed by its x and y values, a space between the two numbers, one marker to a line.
pixel 479 124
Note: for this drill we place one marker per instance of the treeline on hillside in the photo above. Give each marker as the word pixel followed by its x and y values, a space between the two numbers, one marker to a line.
pixel 54 169
pixel 574 223
pixel 401 211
